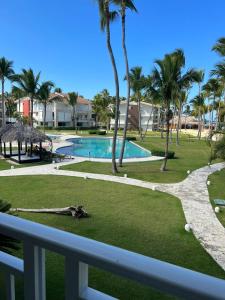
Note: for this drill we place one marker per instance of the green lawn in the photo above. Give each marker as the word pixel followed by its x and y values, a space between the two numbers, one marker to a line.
pixel 217 191
pixel 4 164
pixel 190 155
pixel 137 219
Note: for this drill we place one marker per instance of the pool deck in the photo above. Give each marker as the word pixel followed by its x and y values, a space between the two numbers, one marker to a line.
pixel 62 141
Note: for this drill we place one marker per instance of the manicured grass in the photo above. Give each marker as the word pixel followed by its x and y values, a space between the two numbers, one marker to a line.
pixel 217 191
pixel 4 164
pixel 137 219
pixel 190 155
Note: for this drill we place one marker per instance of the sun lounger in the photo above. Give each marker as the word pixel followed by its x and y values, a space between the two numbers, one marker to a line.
pixel 219 202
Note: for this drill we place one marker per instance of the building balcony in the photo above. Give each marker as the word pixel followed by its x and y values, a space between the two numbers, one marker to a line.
pixel 80 253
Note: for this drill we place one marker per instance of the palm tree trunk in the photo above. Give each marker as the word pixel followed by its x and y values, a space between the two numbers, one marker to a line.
pixel 74 125
pixel 128 83
pixel 116 79
pixel 178 124
pixel 3 102
pixel 163 167
pixel 139 118
pixel 146 129
pixel 45 108
pixel 199 124
pixel 31 110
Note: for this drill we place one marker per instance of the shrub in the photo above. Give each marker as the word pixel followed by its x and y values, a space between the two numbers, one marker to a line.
pixel 219 149
pixel 171 154
pixel 92 131
pixel 131 138
pixel 101 132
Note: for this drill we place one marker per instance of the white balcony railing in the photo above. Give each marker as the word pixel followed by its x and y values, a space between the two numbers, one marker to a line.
pixel 79 253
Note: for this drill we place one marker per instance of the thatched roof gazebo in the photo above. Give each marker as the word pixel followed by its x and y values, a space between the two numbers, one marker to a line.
pixel 23 135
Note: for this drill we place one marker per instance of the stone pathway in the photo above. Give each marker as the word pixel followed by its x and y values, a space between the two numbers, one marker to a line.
pixel 192 192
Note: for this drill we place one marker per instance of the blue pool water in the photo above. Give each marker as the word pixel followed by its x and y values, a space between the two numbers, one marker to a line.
pixel 101 148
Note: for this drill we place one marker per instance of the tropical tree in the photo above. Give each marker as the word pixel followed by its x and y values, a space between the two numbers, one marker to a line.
pixel 10 105
pixel 72 99
pixel 58 90
pixel 123 6
pixel 137 84
pixel 180 104
pixel 219 47
pixel 213 90
pixel 102 106
pixel 28 82
pixel 198 110
pixel 43 96
pixel 7 244
pixel 168 83
pixel 106 17
pixel 6 72
pixel 187 112
pixel 17 94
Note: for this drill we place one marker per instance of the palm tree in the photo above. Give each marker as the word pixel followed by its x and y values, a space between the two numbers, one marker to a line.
pixel 28 82
pixel 213 90
pixel 6 72
pixel 198 109
pixel 73 97
pixel 180 104
pixel 219 72
pixel 17 94
pixel 124 4
pixel 106 17
pixel 44 97
pixel 58 90
pixel 137 83
pixel 219 47
pixel 101 107
pixel 187 112
pixel 168 83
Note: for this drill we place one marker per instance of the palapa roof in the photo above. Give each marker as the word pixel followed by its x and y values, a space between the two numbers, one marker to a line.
pixel 21 133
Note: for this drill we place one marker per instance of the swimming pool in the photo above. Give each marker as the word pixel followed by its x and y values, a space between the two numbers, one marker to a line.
pixel 101 148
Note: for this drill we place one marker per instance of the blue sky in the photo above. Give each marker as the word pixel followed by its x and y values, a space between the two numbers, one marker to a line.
pixel 62 39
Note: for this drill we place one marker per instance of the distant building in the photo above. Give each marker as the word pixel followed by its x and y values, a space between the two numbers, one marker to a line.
pixel 186 122
pixel 59 112
pixel 149 116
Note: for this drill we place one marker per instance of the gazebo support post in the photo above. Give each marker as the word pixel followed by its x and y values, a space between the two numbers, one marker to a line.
pixel 0 146
pixel 40 150
pixel 26 147
pixel 19 153
pixel 4 149
pixel 10 149
pixel 31 149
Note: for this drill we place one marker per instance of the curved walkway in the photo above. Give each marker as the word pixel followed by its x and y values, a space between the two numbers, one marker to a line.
pixel 192 192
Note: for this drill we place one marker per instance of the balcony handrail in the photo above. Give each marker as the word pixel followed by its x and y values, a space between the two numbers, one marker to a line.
pixel 163 276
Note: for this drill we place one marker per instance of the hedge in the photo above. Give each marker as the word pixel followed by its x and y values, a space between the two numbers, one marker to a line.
pixel 171 154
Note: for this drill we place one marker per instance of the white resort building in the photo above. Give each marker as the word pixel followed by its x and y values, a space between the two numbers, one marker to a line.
pixel 59 111
pixel 149 116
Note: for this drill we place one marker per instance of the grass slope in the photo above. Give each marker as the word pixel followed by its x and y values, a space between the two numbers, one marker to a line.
pixel 140 220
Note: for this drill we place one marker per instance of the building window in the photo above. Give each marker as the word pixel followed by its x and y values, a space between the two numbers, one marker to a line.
pixel 61 124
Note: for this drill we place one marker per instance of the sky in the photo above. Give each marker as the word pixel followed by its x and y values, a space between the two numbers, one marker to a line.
pixel 63 40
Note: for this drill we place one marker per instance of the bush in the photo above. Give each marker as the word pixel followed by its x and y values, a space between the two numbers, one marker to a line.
pixel 101 132
pixel 171 154
pixel 92 131
pixel 131 138
pixel 219 149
